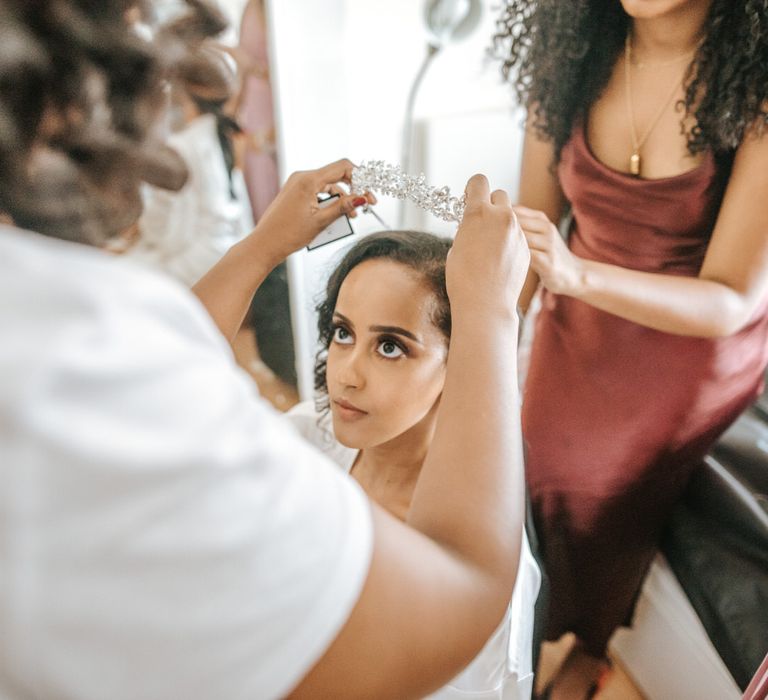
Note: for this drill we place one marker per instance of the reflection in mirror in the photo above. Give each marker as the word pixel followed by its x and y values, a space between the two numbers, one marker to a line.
pixel 221 122
pixel 264 346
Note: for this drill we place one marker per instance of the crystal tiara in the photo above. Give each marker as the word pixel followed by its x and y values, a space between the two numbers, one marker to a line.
pixel 384 178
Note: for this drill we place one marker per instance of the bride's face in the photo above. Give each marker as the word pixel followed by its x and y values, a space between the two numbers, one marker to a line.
pixel 386 361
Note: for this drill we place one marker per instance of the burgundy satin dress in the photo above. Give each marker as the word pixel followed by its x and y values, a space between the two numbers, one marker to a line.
pixel 616 415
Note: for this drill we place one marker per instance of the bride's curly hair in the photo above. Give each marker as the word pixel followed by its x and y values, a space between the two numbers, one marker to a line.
pixel 80 96
pixel 558 56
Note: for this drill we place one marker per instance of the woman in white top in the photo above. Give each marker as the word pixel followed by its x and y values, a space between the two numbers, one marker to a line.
pixel 186 233
pixel 385 326
pixel 164 533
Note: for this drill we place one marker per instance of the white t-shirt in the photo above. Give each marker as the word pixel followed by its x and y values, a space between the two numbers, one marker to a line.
pixel 503 670
pixel 163 532
pixel 186 233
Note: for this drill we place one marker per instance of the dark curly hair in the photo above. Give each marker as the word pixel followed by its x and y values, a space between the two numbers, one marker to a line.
pixel 80 92
pixel 424 253
pixel 558 56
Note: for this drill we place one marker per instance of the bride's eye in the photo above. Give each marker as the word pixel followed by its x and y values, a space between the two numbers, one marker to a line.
pixel 390 349
pixel 342 336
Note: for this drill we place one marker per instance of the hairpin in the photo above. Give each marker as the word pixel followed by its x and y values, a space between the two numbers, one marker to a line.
pixel 381 177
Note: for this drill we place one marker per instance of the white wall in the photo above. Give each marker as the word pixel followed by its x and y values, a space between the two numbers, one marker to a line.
pixel 342 72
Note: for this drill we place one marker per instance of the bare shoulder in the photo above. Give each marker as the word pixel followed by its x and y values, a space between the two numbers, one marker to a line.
pixel 752 153
pixel 747 189
pixel 738 251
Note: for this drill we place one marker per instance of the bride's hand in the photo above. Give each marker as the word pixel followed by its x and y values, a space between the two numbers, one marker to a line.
pixel 560 270
pixel 294 218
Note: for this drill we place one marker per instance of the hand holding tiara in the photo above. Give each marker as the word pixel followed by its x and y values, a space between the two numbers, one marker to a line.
pixel 379 176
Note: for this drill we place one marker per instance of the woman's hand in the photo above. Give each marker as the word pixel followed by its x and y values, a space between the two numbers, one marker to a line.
pixel 489 258
pixel 560 270
pixel 290 222
pixel 294 218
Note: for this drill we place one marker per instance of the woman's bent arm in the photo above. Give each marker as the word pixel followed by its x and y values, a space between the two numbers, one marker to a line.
pixel 540 190
pixel 732 283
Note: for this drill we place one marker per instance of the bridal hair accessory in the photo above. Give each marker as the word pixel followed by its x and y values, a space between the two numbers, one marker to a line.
pixel 381 177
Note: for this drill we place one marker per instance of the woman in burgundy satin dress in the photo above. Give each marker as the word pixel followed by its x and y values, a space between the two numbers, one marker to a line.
pixel 647 117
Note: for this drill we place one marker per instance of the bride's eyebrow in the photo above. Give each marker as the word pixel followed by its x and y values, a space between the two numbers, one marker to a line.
pixel 343 319
pixel 395 330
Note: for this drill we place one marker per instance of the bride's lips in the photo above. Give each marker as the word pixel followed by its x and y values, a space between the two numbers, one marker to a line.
pixel 348 411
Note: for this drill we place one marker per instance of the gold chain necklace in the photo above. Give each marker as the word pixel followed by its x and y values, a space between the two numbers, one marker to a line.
pixel 664 64
pixel 637 143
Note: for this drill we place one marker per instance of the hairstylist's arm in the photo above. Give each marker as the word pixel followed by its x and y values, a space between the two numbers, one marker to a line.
pixel 539 189
pixel 291 222
pixel 439 584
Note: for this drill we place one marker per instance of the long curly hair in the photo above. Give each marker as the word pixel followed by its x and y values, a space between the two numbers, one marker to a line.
pixel 558 57
pixel 424 253
pixel 80 94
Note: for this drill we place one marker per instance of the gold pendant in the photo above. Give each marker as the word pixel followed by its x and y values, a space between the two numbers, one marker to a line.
pixel 634 163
